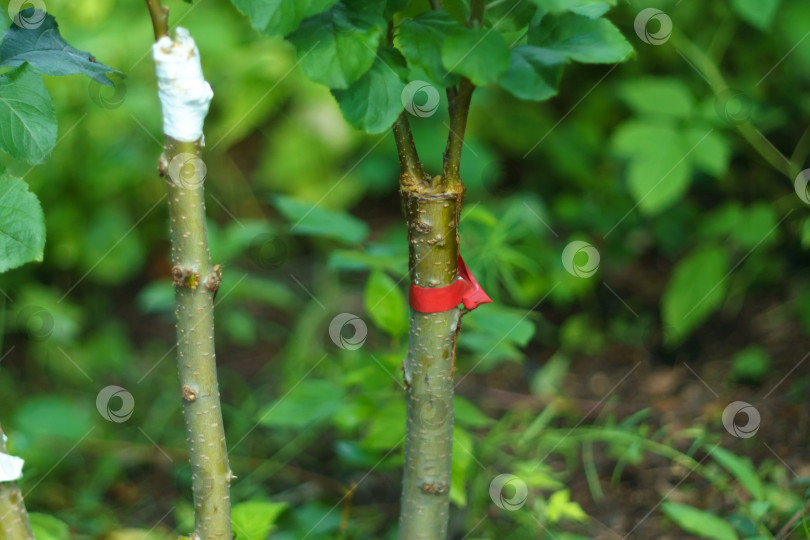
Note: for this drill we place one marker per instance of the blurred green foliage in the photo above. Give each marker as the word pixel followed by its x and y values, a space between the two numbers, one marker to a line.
pixel 641 161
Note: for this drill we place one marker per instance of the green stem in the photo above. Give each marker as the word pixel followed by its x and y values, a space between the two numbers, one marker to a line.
pixel 718 84
pixel 14 524
pixel 196 283
pixel 406 148
pixel 432 212
pixel 459 105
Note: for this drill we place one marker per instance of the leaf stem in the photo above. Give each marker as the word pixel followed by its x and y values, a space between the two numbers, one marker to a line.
pixel 718 84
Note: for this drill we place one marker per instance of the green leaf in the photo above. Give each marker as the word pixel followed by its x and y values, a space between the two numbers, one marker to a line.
pixel 468 415
pixel 560 506
pixel 657 96
pixel 582 39
pixel 421 40
pixel 712 155
pixel 742 470
pixel 374 101
pixel 47 527
pixel 481 55
pixel 27 118
pixel 338 46
pixel 385 303
pixel 589 8
pixel 462 459
pixel 49 54
pixel 699 522
pixel 22 224
pixel 757 13
pixel 757 226
pixel 697 287
pixel 534 73
pixel 280 17
pixel 659 172
pixel 312 400
pixel 253 520
pixel 314 220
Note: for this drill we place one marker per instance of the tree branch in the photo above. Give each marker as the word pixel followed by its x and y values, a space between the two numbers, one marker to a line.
pixel 459 106
pixel 709 69
pixel 406 148
pixel 160 18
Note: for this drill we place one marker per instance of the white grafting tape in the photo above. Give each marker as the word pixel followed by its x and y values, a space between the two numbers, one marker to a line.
pixel 10 468
pixel 183 91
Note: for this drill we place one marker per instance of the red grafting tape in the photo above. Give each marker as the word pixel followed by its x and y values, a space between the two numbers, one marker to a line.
pixel 465 290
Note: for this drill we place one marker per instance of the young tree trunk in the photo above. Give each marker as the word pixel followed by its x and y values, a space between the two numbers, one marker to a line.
pixel 14 524
pixel 432 211
pixel 184 101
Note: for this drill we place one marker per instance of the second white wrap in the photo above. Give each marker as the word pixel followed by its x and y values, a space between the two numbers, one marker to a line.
pixel 183 91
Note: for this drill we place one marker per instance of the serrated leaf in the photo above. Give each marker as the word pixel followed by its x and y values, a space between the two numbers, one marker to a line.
pixel 589 8
pixel 22 224
pixel 480 54
pixel 27 118
pixel 699 522
pixel 313 220
pixel 253 520
pixel 48 53
pixel 581 38
pixel 697 288
pixel 657 96
pixel 339 46
pixel 757 13
pixel 385 303
pixel 280 17
pixel 421 40
pixel 374 101
pixel 534 73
